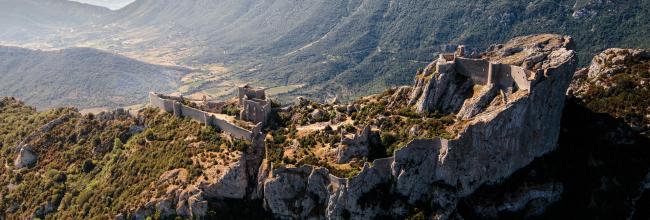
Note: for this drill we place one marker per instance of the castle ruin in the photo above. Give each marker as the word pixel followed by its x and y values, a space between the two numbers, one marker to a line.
pixel 255 109
pixel 465 86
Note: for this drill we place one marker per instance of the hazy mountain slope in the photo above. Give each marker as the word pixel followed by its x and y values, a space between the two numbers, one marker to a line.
pixel 80 77
pixel 353 47
pixel 22 20
pixel 375 46
pixel 226 30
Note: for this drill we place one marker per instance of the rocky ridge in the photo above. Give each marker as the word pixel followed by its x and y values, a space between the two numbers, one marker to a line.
pixel 501 138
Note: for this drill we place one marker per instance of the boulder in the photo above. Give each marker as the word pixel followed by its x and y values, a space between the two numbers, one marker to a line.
pixel 351 109
pixel 317 114
pixel 301 101
pixel 26 158
pixel 415 130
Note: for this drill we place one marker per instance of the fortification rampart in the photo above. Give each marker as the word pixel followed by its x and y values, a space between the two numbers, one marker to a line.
pixel 171 105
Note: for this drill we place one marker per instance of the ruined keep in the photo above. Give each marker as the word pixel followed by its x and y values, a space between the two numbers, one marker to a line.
pixel 255 107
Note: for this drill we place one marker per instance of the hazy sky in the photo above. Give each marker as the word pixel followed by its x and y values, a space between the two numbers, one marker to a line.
pixel 112 4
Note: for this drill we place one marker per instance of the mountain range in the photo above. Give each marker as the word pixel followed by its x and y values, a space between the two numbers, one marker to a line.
pixel 345 48
pixel 31 21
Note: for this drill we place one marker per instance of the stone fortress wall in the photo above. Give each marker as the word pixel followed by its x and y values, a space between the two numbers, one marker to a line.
pixel 483 72
pixel 173 105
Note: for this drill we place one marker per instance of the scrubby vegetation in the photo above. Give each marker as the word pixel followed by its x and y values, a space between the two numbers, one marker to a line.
pixel 96 165
pixel 311 133
pixel 231 109
pixel 625 95
pixel 19 120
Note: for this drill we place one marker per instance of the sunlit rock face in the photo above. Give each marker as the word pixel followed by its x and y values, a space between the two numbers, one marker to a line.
pixel 508 104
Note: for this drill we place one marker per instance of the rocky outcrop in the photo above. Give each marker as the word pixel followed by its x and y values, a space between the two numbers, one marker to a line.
pixel 478 103
pixel 353 146
pixel 442 90
pixel 603 67
pixel 618 83
pixel 615 60
pixel 228 177
pixel 530 200
pixel 26 157
pixel 299 193
pixel 500 134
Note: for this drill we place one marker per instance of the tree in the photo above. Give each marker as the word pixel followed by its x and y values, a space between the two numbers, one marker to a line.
pixel 117 144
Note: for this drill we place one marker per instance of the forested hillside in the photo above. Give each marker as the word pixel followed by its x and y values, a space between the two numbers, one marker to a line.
pixel 81 77
pixel 355 47
pixel 346 47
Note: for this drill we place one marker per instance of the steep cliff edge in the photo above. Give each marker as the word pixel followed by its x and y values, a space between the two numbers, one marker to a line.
pixel 516 123
pixel 600 169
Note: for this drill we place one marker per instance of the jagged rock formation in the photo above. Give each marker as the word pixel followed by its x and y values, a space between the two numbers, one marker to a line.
pixel 498 135
pixel 593 174
pixel 354 146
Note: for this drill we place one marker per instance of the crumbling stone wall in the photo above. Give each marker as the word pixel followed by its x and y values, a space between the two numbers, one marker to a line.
pixel 483 72
pixel 172 106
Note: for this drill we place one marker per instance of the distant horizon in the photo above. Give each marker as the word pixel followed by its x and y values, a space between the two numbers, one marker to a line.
pixel 111 4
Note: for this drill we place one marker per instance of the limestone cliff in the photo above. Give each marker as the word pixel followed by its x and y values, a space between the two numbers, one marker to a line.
pixel 510 101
